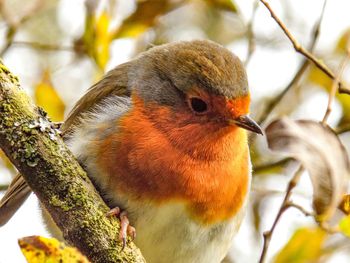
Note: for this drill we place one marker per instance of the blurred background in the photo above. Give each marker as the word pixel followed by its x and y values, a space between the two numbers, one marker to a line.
pixel 59 48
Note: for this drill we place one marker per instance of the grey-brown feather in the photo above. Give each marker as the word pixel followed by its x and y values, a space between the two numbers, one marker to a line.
pixel 164 71
pixel 115 82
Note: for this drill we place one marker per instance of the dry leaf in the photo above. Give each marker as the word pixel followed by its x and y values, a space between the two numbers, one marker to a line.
pixel 320 152
pixel 38 249
pixel 345 204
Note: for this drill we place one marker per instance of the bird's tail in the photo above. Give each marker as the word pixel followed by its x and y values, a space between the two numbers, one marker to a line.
pixel 17 192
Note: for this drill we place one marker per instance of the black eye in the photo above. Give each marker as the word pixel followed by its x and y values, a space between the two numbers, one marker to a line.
pixel 198 105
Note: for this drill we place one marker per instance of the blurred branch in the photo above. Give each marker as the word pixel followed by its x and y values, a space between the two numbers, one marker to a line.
pixel 13 25
pixel 42 46
pixel 284 206
pixel 335 84
pixel 10 34
pixel 300 49
pixel 275 101
pixel 300 208
pixel 259 169
pixel 343 129
pixel 341 244
pixel 251 36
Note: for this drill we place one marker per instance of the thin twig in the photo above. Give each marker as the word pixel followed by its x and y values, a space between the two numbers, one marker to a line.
pixel 284 206
pixel 335 84
pixel 300 208
pixel 267 167
pixel 13 25
pixel 343 129
pixel 300 49
pixel 42 46
pixel 304 66
pixel 287 203
pixel 324 225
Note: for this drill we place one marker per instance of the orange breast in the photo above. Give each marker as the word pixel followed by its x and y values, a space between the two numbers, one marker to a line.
pixel 160 156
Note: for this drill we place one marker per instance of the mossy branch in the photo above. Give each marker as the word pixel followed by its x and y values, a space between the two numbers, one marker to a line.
pixel 34 146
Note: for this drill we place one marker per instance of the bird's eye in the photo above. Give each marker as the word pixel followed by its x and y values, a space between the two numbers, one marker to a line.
pixel 198 105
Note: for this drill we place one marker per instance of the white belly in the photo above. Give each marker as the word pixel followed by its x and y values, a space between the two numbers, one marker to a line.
pixel 165 234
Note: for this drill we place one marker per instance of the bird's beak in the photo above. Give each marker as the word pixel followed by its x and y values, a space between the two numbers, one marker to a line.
pixel 245 122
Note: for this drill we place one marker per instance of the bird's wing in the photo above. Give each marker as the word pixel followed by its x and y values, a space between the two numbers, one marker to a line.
pixel 114 83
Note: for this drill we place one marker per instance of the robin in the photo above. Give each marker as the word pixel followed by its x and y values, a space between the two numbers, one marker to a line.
pixel 164 139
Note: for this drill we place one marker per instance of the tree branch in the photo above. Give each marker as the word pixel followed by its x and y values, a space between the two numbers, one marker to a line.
pixel 33 145
pixel 300 49
pixel 284 206
pixel 299 74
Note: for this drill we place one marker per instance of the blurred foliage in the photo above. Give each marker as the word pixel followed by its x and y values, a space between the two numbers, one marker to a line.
pixel 317 77
pixel 304 246
pixel 224 4
pixel 47 97
pixel 145 16
pixel 6 161
pixel 37 249
pixel 344 225
pixel 97 37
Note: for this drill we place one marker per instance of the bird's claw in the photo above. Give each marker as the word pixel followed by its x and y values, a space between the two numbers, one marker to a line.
pixel 125 228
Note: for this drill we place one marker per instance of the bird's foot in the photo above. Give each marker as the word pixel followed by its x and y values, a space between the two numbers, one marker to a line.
pixel 125 228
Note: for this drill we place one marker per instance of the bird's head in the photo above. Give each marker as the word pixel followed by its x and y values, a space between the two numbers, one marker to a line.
pixel 200 82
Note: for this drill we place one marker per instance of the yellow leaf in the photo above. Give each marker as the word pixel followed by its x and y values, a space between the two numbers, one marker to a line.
pixel 344 225
pixel 102 40
pixel 145 16
pixel 97 38
pixel 38 249
pixel 316 76
pixel 6 161
pixel 47 98
pixel 304 246
pixel 227 5
pixel 343 42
